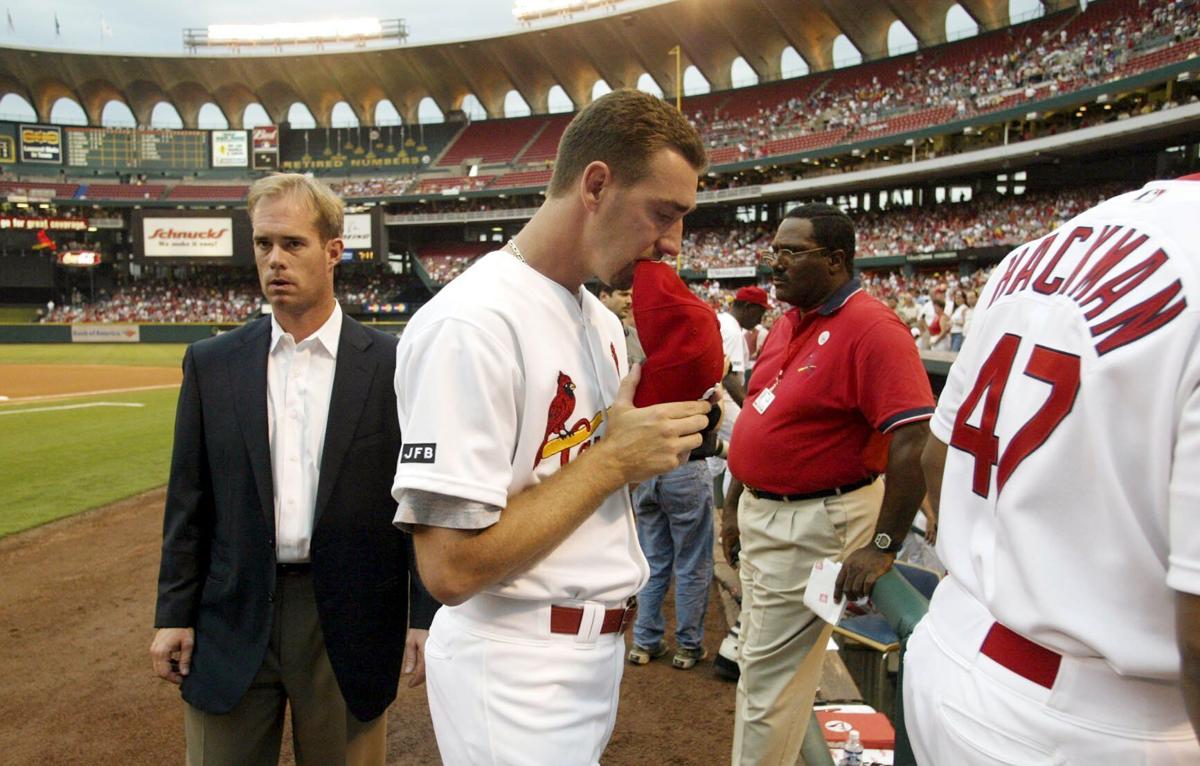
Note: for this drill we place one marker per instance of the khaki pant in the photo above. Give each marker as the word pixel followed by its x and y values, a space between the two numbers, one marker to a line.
pixel 296 670
pixel 782 642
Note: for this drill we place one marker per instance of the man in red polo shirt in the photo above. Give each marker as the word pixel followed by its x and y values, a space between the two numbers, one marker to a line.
pixel 838 397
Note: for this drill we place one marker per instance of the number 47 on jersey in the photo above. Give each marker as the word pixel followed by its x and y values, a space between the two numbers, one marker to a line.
pixel 1057 368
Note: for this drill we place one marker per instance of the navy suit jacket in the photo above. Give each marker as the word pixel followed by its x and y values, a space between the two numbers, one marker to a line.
pixel 218 554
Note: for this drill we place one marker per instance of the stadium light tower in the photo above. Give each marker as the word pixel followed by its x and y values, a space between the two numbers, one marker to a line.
pixel 529 11
pixel 357 32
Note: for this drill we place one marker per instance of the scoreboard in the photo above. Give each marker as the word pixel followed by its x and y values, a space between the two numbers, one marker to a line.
pixel 136 148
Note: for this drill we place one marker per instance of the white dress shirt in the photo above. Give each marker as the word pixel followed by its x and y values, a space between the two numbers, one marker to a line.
pixel 299 384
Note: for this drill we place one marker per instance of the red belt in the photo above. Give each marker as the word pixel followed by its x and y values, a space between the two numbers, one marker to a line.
pixel 1021 656
pixel 567 619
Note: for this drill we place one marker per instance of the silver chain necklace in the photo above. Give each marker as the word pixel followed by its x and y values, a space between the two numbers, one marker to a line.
pixel 512 245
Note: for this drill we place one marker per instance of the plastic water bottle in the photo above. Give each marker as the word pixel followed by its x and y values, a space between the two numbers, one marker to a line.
pixel 852 753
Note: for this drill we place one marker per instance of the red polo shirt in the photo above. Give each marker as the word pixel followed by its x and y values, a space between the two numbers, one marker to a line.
pixel 842 376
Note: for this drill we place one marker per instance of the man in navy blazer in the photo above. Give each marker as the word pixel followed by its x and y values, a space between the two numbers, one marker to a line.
pixel 283 580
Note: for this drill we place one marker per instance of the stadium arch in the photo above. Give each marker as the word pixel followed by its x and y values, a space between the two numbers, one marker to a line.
pixel 210 117
pixel 959 24
pixel 846 53
pixel 233 100
pixel 94 97
pixel 695 83
pixel 470 105
pixel 165 115
pixel 386 113
pixel 278 98
pixel 341 115
pixel 65 109
pixel 558 101
pixel 117 114
pixel 300 116
pixel 515 105
pixel 615 47
pixel 741 73
pixel 429 107
pixel 900 39
pixel 15 107
pixel 792 64
pixel 647 84
pixel 255 114
pixel 143 97
pixel 988 14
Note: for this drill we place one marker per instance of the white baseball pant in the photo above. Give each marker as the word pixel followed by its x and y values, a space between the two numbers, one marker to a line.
pixel 504 690
pixel 963 707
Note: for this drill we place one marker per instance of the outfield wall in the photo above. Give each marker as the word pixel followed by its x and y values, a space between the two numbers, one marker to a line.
pixel 130 333
pixel 937 363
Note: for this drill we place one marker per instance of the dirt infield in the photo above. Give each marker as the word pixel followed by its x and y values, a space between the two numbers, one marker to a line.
pixel 22 381
pixel 76 609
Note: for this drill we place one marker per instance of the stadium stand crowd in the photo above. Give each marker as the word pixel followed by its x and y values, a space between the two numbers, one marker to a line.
pixel 374 187
pixel 201 299
pixel 988 221
pixel 992 72
pixel 208 296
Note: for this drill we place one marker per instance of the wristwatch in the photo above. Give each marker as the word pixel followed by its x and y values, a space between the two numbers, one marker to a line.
pixel 883 542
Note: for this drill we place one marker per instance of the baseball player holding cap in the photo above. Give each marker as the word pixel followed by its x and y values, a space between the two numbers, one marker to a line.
pixel 1068 462
pixel 684 360
pixel 520 438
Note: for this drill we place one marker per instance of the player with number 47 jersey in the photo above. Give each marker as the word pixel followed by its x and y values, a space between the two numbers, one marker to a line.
pixel 1066 472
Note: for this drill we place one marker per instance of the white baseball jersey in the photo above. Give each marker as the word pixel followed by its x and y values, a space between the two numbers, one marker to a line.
pixel 733 342
pixel 754 342
pixel 502 379
pixel 1071 498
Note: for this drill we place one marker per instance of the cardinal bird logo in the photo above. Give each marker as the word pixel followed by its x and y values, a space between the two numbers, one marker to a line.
pixel 561 407
pixel 45 243
pixel 559 438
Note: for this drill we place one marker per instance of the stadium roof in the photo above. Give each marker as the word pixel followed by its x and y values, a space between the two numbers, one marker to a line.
pixel 617 48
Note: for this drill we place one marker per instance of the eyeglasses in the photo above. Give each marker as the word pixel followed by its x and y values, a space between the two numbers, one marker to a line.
pixel 774 254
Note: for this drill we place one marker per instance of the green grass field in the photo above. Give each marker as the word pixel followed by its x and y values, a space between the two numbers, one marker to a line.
pixel 58 462
pixel 17 314
pixel 120 354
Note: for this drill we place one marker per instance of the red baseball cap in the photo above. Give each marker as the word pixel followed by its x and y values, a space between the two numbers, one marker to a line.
pixel 680 335
pixel 753 294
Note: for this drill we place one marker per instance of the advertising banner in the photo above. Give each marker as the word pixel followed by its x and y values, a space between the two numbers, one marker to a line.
pixel 356 231
pixel 188 237
pixel 43 222
pixel 266 147
pixel 41 143
pixel 105 333
pixel 230 149
pixel 732 272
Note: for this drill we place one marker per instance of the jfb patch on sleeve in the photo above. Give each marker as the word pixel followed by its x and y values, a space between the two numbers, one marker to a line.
pixel 418 453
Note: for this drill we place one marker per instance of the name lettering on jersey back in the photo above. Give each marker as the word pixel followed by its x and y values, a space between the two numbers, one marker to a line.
pixel 1100 269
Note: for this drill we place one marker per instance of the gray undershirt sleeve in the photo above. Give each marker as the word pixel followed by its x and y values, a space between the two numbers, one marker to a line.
pixel 433 509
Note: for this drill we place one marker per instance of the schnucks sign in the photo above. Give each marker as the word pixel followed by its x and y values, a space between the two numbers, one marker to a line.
pixel 188 237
